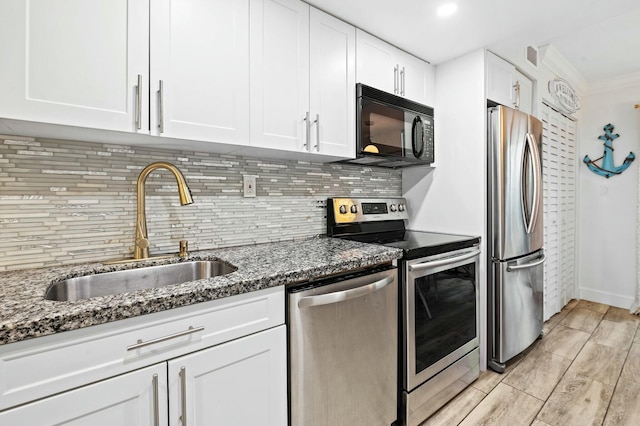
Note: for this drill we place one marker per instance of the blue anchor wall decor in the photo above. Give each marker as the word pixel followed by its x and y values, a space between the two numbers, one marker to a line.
pixel 608 169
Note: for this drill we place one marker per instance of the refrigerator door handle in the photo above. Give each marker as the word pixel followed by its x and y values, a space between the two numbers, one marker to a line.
pixel 537 180
pixel 537 262
pixel 530 213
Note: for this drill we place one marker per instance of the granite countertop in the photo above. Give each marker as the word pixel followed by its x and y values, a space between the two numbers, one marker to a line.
pixel 24 313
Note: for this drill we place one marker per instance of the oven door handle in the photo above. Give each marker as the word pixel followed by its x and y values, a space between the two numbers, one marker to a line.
pixel 444 262
pixel 339 296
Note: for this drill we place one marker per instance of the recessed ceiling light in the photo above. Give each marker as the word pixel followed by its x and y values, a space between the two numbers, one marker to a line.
pixel 447 9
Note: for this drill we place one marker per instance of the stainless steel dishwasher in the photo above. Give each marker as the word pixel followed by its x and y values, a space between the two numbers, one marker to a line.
pixel 343 349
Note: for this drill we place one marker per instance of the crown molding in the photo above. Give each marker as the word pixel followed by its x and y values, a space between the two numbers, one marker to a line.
pixel 620 82
pixel 559 65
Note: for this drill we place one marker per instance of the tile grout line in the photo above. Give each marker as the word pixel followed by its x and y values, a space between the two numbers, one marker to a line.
pixel 619 374
pixel 565 372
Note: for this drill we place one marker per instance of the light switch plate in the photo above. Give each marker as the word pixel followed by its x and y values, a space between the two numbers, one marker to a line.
pixel 249 185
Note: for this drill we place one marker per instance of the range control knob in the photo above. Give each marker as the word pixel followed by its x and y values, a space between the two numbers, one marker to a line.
pixel 343 209
pixel 354 209
pixel 401 207
pixel 393 207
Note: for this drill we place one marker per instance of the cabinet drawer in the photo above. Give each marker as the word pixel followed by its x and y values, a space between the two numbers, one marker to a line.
pixel 43 366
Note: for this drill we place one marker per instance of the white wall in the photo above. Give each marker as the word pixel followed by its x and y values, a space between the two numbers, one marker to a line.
pixel 608 212
pixel 451 198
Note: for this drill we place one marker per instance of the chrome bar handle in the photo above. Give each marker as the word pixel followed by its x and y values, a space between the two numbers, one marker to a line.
pixel 395 80
pixel 307 143
pixel 516 87
pixel 161 106
pixel 317 123
pixel 339 296
pixel 537 181
pixel 443 262
pixel 402 77
pixel 139 103
pixel 183 399
pixel 538 262
pixel 156 405
pixel 525 208
pixel 139 344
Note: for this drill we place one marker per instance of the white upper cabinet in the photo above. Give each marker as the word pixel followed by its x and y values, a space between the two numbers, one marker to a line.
pixel 279 74
pixel 332 85
pixel 385 67
pixel 200 58
pixel 507 86
pixel 376 64
pixel 82 62
pixel 302 79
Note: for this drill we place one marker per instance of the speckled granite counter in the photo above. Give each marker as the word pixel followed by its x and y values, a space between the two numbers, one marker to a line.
pixel 25 314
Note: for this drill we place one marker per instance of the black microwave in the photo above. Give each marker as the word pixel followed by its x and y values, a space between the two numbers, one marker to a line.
pixel 392 131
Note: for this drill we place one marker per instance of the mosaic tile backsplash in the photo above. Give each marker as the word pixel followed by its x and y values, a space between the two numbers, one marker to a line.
pixel 64 202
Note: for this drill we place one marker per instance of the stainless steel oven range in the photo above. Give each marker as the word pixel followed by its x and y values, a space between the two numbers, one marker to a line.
pixel 438 319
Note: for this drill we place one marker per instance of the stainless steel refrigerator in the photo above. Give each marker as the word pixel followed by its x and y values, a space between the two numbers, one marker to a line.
pixel 516 233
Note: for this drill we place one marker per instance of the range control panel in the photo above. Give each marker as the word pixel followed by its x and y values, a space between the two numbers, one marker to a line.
pixel 353 210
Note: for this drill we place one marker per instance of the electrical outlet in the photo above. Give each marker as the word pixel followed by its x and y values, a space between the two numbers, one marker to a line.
pixel 249 185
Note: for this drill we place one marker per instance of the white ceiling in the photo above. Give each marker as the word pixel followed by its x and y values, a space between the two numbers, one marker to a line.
pixel 601 38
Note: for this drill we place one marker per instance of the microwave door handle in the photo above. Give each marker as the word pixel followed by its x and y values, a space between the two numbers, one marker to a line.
pixel 339 296
pixel 537 262
pixel 443 262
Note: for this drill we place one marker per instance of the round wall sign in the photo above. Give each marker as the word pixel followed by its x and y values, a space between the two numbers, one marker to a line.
pixel 564 95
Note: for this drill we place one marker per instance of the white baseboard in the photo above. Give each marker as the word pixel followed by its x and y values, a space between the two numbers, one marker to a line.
pixel 599 296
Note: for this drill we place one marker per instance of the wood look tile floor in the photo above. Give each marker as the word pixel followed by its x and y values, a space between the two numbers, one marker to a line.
pixel 584 371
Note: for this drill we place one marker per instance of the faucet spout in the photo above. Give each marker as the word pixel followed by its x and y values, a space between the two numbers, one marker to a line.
pixel 141 250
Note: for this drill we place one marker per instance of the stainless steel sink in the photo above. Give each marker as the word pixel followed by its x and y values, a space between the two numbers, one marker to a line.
pixel 109 283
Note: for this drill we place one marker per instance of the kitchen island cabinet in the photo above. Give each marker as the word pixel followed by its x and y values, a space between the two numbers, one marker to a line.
pixel 302 80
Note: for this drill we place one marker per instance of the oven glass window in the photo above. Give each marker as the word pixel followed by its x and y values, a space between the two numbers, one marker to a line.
pixel 445 313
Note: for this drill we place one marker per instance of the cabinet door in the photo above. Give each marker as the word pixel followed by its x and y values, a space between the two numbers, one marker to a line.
pixel 75 62
pixel 200 53
pixel 279 75
pixel 332 85
pixel 500 80
pixel 136 398
pixel 242 382
pixel 417 79
pixel 376 63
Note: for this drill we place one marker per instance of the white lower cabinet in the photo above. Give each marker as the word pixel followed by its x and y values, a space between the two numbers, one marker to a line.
pixel 135 398
pixel 242 382
pixel 222 362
